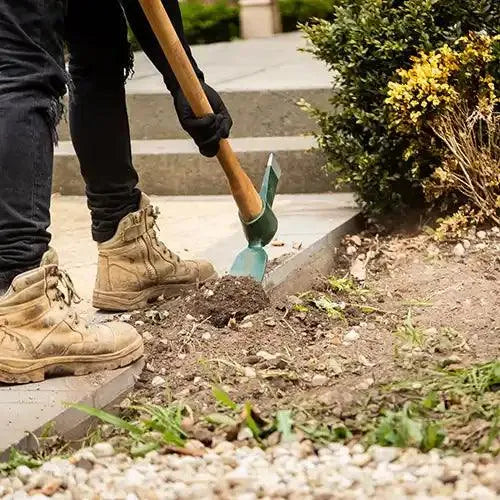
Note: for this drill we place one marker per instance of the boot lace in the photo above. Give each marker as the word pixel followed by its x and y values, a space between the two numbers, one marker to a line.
pixel 65 289
pixel 155 213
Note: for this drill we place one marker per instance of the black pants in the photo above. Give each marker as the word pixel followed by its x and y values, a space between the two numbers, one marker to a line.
pixel 33 81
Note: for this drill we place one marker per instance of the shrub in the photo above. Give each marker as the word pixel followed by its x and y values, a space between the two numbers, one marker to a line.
pixel 206 23
pixel 294 12
pixel 449 94
pixel 364 44
pixel 209 23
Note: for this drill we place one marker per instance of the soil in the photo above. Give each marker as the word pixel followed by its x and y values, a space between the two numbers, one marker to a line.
pixel 230 298
pixel 323 351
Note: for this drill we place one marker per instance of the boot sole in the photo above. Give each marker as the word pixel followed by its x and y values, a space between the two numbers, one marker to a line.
pixel 130 301
pixel 24 371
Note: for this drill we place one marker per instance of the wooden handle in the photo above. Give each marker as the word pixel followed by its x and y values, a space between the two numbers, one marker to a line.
pixel 244 192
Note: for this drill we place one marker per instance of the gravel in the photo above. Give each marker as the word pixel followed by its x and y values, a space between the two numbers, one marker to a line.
pixel 293 471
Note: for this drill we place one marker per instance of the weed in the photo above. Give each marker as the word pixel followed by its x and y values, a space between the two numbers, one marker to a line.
pixel 17 458
pixel 326 433
pixel 155 426
pixel 409 333
pixel 407 427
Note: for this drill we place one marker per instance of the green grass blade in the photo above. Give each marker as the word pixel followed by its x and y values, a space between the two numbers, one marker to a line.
pixel 108 418
pixel 223 398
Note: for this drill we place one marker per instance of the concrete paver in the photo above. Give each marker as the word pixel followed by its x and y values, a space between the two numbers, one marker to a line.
pixel 198 226
pixel 266 63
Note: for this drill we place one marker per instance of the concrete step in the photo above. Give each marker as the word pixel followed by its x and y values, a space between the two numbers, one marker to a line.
pixel 175 167
pixel 255 113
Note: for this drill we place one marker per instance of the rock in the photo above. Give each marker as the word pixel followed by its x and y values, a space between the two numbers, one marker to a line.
pixel 277 243
pixel 361 460
pixel 481 246
pixel 244 434
pixel 466 244
pixel 238 477
pixel 206 336
pixel 350 250
pixel 247 325
pixel 335 366
pixel 270 322
pixel 103 450
pixel 224 447
pixel 125 317
pixel 139 323
pixel 481 235
pixel 356 240
pixel 266 356
pixel 147 336
pixel 190 317
pixel 495 230
pixel 351 336
pixel 23 472
pixel 459 250
pixel 319 380
pixel 194 445
pixel 158 381
pixel 250 372
pixel 382 454
pixel 366 384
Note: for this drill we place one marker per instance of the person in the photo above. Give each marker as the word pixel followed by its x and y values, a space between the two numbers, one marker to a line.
pixel 40 333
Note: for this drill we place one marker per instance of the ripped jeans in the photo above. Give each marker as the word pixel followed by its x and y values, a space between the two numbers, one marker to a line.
pixel 33 81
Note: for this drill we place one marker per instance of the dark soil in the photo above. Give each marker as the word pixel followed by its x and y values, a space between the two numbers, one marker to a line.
pixel 229 298
pixel 301 354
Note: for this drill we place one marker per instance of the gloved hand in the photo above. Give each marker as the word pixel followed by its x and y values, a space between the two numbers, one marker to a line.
pixel 208 131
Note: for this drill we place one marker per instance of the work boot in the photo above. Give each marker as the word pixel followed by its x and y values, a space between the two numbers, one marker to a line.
pixel 135 268
pixel 41 334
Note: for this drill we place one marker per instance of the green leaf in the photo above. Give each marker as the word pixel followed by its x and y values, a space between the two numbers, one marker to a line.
pixel 251 423
pixel 284 424
pixel 143 449
pixel 107 418
pixel 223 398
pixel 434 437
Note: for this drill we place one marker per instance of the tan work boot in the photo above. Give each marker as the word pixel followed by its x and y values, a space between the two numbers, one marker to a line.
pixel 40 334
pixel 135 268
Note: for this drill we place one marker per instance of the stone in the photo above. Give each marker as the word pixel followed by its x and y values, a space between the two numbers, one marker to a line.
pixel 351 336
pixel 350 250
pixel 147 336
pixel 335 366
pixel 158 381
pixel 382 454
pixel 319 380
pixel 250 372
pixel 247 325
pixel 356 240
pixel 481 235
pixel 495 230
pixel 458 250
pixel 361 460
pixel 238 477
pixel 23 472
pixel 103 450
pixel 244 434
pixel 206 336
pixel 466 244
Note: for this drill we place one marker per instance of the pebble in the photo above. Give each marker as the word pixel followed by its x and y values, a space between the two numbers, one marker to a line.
pixel 350 250
pixel 459 250
pixel 290 471
pixel 147 336
pixel 466 244
pixel 481 235
pixel 319 380
pixel 206 336
pixel 158 381
pixel 103 450
pixel 351 336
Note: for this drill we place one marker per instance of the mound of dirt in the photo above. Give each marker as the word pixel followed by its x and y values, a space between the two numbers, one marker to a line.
pixel 230 297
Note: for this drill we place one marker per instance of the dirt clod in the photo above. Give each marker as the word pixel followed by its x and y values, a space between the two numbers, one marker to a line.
pixel 233 297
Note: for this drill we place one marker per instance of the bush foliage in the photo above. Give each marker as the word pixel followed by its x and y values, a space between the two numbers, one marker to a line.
pixel 365 44
pixel 294 12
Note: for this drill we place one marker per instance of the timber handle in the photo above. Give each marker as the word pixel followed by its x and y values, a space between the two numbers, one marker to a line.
pixel 246 196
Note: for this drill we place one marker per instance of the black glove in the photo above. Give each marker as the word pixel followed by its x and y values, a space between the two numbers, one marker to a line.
pixel 209 130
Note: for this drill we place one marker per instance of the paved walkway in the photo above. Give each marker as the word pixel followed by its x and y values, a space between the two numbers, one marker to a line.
pixel 205 226
pixel 261 64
